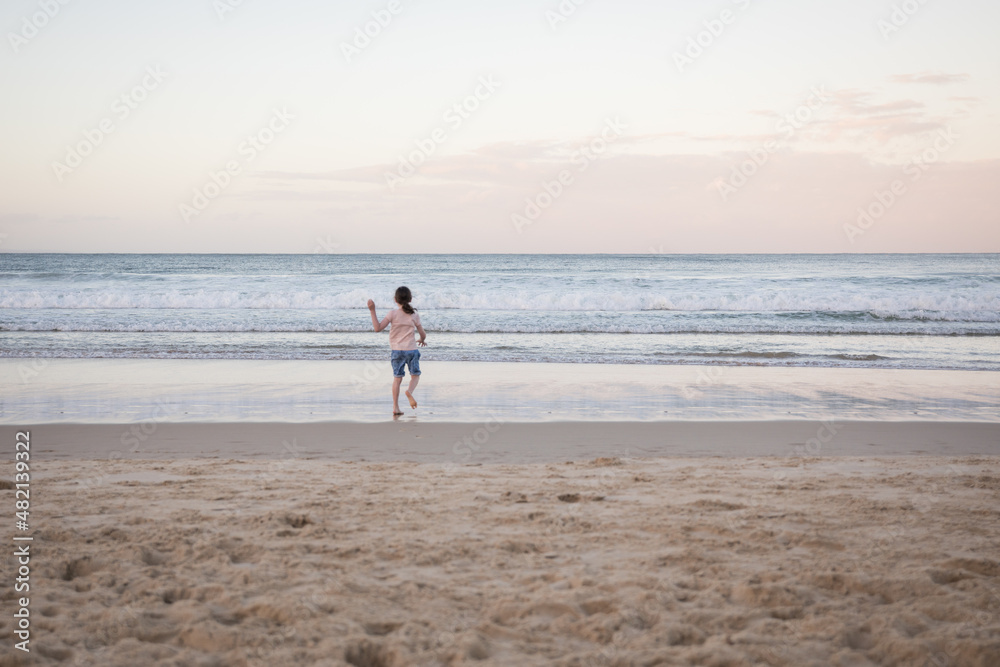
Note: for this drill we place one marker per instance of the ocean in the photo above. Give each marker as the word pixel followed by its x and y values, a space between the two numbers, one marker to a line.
pixel 928 312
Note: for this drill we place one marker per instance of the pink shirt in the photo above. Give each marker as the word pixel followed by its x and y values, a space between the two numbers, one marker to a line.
pixel 403 329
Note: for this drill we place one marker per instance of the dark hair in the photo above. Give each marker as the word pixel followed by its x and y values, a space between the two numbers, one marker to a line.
pixel 403 297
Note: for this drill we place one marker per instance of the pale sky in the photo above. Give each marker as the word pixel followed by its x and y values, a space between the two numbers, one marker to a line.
pixel 604 129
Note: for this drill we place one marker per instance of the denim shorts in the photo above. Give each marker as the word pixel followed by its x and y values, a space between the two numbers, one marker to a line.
pixel 402 358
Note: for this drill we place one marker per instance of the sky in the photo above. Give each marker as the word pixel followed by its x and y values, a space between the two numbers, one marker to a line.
pixel 528 126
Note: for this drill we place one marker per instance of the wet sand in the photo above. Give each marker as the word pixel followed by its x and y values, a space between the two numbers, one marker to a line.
pixel 238 390
pixel 497 441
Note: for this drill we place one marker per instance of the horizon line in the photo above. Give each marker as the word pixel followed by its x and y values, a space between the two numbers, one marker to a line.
pixel 516 254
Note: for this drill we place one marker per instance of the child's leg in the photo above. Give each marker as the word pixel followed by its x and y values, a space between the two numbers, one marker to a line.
pixel 414 368
pixel 414 379
pixel 396 381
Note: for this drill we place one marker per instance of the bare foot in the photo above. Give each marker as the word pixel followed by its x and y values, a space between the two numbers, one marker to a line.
pixel 413 401
pixel 396 410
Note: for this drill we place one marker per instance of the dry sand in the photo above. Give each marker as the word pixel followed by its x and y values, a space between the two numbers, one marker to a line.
pixel 612 561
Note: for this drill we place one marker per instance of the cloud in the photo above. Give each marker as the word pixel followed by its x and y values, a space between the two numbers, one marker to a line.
pixel 647 138
pixel 856 116
pixel 733 138
pixel 84 219
pixel 933 78
pixel 367 174
pixel 846 119
pixel 23 218
pixel 797 201
pixel 889 107
pixel 17 218
pixel 627 202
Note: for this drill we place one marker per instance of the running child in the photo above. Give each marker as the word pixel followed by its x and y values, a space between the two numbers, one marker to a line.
pixel 405 323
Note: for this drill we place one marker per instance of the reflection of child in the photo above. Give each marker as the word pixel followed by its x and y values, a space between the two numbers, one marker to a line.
pixel 405 323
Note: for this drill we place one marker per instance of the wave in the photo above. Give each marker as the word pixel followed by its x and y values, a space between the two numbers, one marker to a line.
pixel 858 357
pixel 746 358
pixel 228 327
pixel 942 305
pixel 738 355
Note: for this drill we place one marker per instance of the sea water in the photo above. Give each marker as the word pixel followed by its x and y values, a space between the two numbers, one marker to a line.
pixel 855 311
pixel 145 338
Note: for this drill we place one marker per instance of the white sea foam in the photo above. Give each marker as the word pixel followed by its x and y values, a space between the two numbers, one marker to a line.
pixel 919 311
pixel 978 306
pixel 897 329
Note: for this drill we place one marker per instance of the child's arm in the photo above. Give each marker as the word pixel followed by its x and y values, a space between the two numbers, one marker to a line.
pixel 420 328
pixel 379 326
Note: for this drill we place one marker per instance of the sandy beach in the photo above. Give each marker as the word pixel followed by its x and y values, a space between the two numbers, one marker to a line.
pixel 513 334
pixel 216 559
